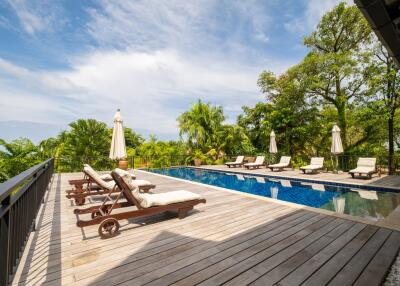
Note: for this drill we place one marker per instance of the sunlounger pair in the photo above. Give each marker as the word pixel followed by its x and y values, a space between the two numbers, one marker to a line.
pixel 145 204
pixel 95 184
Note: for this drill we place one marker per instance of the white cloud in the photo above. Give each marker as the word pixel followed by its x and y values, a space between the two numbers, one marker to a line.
pixel 37 16
pixel 193 27
pixel 152 89
pixel 153 59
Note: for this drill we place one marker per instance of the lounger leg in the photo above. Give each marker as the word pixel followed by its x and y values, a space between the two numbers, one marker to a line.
pixel 183 212
pixel 352 175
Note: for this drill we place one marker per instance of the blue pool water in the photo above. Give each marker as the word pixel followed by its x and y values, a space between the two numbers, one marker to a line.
pixel 364 203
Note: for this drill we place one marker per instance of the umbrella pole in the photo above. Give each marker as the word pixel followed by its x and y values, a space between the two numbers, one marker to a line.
pixel 337 164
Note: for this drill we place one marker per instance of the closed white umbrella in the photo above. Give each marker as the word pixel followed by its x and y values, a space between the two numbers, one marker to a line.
pixel 118 149
pixel 337 147
pixel 272 143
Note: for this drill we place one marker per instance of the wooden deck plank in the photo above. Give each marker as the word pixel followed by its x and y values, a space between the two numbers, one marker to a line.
pixel 355 266
pixel 246 271
pixel 206 267
pixel 145 275
pixel 277 273
pixel 257 239
pixel 323 275
pixel 375 272
pixel 306 269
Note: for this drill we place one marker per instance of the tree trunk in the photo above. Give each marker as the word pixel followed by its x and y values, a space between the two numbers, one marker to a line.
pixel 341 108
pixel 341 102
pixel 391 166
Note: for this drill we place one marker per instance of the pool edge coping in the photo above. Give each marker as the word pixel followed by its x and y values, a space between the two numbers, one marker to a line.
pixel 290 204
pixel 320 181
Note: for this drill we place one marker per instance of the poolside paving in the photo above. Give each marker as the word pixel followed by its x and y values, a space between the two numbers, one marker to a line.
pixel 342 177
pixel 233 239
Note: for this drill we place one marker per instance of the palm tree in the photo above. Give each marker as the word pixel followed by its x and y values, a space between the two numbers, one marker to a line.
pixel 17 156
pixel 88 141
pixel 200 124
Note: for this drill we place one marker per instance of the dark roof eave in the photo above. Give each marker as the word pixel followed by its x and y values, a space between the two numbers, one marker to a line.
pixel 382 24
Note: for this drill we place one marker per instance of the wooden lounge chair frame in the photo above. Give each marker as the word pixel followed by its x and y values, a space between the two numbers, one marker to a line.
pixel 92 189
pixel 254 165
pixel 108 221
pixel 368 174
pixel 235 164
pixel 314 170
pixel 280 168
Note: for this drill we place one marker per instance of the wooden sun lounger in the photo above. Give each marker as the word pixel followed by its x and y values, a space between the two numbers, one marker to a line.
pixel 237 163
pixel 87 184
pixel 365 166
pixel 316 164
pixel 108 221
pixel 98 186
pixel 283 163
pixel 257 164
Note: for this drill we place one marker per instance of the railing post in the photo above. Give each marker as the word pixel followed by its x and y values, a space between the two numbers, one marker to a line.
pixel 5 243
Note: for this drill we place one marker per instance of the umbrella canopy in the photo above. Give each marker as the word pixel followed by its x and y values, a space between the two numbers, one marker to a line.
pixel 272 143
pixel 337 147
pixel 118 149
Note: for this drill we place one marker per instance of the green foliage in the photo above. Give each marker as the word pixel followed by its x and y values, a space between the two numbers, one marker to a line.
pixel 132 139
pixel 203 127
pixel 346 78
pixel 16 157
pixel 336 67
pixel 87 141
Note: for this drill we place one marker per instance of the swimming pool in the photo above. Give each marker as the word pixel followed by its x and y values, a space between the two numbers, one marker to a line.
pixel 374 205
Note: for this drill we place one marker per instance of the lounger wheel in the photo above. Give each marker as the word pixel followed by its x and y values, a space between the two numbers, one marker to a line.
pixel 80 201
pixel 95 214
pixel 108 228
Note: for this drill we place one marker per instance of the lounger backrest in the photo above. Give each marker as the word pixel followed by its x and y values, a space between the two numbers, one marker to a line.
pixel 96 177
pixel 260 160
pixel 318 161
pixel 127 187
pixel 366 162
pixel 239 159
pixel 285 160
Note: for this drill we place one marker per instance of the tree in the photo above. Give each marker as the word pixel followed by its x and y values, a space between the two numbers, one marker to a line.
pixel 335 68
pixel 88 141
pixel 132 139
pixel 200 125
pixel 385 83
pixel 295 121
pixel 17 156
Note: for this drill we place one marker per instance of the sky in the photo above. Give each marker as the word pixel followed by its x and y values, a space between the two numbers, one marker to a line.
pixel 69 59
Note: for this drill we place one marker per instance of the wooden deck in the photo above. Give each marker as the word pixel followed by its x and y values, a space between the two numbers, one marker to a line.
pixel 232 240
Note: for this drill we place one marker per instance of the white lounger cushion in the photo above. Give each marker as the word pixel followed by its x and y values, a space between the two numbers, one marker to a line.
pixel 284 162
pixel 162 199
pixel 315 164
pixel 96 177
pixel 141 183
pixel 239 160
pixel 259 161
pixel 365 166
pixel 363 170
pixel 311 167
pixel 150 200
pixel 104 176
pixel 108 176
pixel 279 165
